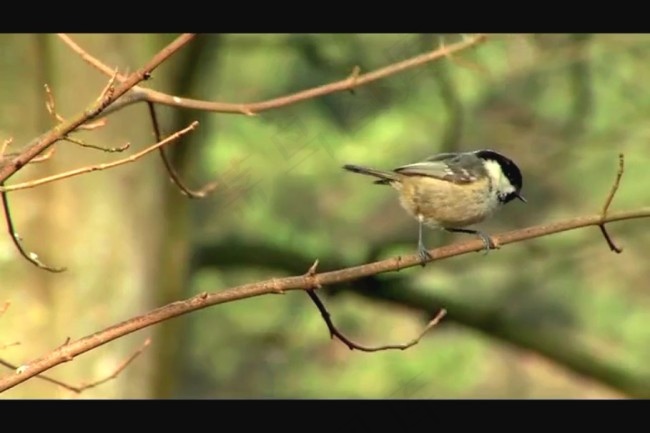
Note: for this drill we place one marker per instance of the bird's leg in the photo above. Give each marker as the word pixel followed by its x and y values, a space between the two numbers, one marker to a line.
pixel 487 241
pixel 422 250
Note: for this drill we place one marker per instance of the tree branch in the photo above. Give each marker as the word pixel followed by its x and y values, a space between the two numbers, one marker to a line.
pixel 276 285
pixel 173 175
pixel 83 387
pixel 544 340
pixel 97 167
pixel 608 202
pixel 30 256
pixel 334 332
pixel 354 80
pixel 96 108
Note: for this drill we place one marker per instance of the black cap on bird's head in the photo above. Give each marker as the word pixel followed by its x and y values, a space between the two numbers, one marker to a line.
pixel 510 170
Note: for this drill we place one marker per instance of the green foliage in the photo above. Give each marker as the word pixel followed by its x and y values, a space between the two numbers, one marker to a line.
pixel 521 96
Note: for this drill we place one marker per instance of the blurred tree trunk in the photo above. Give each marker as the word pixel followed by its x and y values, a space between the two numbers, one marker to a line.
pixel 193 67
pixel 104 227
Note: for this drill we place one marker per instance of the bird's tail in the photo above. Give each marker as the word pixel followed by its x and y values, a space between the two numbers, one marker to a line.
pixel 385 177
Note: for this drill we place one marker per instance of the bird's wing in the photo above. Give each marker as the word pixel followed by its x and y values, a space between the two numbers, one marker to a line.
pixel 452 167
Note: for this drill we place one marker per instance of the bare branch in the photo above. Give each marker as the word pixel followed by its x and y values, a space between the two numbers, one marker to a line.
pixel 120 368
pixel 98 167
pixel 122 148
pixel 354 80
pixel 15 237
pixel 39 144
pixel 608 202
pixel 302 282
pixel 51 108
pixel 81 388
pixel 5 144
pixel 203 191
pixel 334 332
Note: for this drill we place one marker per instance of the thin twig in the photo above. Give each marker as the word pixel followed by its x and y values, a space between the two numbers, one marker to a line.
pixel 40 144
pixel 93 146
pixel 4 307
pixel 81 388
pixel 120 368
pixel 608 202
pixel 5 144
pixel 98 167
pixel 15 237
pixel 354 80
pixel 29 256
pixel 173 175
pixel 334 332
pixel 51 108
pixel 8 345
pixel 302 282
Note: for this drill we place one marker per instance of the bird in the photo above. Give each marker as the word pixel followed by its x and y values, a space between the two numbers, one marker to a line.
pixel 452 190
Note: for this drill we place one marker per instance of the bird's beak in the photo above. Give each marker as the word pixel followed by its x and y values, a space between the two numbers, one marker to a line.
pixel 521 197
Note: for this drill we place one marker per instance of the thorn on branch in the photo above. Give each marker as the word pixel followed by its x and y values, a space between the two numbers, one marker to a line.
pixel 334 332
pixel 277 288
pixel 15 237
pixel 311 276
pixel 608 202
pixel 353 78
pixel 247 111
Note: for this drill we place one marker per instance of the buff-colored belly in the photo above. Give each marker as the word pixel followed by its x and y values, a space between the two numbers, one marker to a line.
pixel 443 204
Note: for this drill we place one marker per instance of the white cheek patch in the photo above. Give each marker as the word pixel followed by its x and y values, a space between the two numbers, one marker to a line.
pixel 502 184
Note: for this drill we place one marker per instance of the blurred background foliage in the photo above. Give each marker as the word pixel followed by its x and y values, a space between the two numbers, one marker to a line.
pixel 560 316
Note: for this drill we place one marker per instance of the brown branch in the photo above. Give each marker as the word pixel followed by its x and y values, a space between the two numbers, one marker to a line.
pixel 608 202
pixel 30 256
pixel 354 80
pixel 98 167
pixel 122 148
pixel 15 237
pixel 39 144
pixel 51 108
pixel 81 388
pixel 302 282
pixel 5 144
pixel 175 178
pixel 334 332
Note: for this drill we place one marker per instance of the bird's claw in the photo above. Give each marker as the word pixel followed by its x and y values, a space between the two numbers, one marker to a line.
pixel 488 243
pixel 424 255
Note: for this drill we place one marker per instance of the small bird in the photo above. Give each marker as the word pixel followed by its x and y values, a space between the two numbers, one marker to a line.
pixel 451 191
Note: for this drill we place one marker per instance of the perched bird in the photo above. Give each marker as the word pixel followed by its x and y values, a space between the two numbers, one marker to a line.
pixel 451 191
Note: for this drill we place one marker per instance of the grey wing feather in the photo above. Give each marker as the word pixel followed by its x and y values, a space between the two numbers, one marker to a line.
pixel 453 167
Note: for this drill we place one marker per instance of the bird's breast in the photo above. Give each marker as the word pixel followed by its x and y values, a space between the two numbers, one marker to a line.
pixel 444 204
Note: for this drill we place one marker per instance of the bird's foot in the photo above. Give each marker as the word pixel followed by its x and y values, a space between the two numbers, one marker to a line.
pixel 424 254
